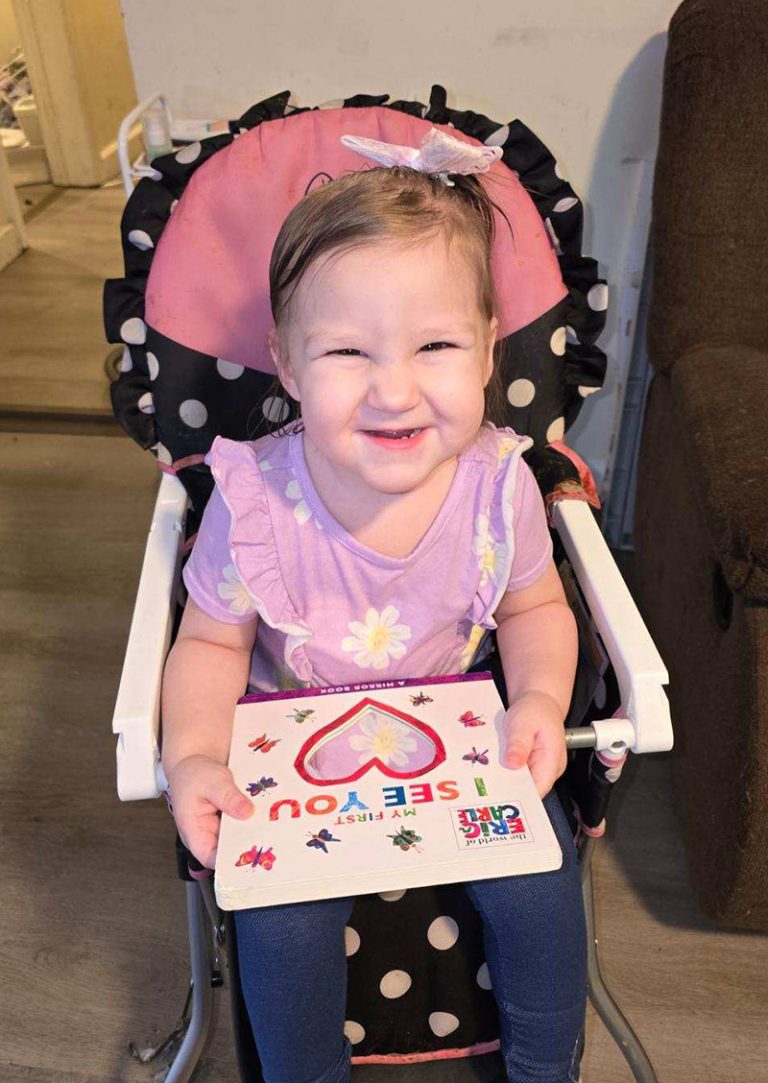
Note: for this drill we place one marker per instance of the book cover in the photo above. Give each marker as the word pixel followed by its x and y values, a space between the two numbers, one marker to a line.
pixel 376 786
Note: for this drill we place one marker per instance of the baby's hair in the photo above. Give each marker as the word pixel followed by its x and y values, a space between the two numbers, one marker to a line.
pixel 389 204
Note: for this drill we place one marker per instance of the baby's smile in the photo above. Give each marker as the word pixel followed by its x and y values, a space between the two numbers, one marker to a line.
pixel 396 439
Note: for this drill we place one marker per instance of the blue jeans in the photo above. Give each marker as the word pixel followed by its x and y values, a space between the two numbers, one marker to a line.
pixel 294 975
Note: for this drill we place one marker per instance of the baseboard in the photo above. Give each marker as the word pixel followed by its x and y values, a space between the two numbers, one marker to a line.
pixel 61 421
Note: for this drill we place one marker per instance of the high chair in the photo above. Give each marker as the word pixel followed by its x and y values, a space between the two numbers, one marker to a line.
pixel 193 312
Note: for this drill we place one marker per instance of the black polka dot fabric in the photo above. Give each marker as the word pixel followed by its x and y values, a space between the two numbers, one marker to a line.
pixel 418 979
pixel 417 973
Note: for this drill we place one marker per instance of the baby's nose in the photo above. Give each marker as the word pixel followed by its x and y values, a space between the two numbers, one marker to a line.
pixel 393 387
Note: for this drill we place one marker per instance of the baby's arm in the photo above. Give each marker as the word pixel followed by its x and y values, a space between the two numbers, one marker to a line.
pixel 538 644
pixel 206 673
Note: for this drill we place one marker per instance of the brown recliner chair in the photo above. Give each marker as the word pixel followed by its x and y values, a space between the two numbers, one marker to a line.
pixel 701 524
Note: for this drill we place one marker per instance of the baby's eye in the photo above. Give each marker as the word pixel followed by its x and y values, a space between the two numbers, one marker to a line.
pixel 347 352
pixel 432 347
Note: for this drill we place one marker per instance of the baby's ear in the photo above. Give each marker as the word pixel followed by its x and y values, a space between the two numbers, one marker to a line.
pixel 493 331
pixel 282 364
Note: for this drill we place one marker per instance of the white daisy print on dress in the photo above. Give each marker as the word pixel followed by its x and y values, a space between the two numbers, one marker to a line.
pixel 471 646
pixel 490 553
pixel 301 512
pixel 232 589
pixel 506 446
pixel 378 639
pixel 386 738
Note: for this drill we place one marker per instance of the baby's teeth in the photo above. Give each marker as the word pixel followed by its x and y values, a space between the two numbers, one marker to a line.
pixel 394 435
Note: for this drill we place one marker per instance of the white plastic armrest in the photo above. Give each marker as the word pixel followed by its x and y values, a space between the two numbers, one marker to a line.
pixel 640 672
pixel 137 710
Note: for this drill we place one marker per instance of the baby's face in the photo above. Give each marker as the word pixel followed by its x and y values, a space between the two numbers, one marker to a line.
pixel 387 351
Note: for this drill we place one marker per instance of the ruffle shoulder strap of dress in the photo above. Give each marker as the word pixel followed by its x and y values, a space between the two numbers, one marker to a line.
pixel 494 542
pixel 237 470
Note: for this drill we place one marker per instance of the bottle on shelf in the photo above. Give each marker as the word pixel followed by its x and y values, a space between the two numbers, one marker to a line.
pixel 157 131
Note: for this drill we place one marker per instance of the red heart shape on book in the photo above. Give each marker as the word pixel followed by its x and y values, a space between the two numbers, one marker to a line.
pixel 400 746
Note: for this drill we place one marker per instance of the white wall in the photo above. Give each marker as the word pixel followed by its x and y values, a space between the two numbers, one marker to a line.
pixel 585 75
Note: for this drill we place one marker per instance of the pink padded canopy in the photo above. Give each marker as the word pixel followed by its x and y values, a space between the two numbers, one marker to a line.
pixel 208 287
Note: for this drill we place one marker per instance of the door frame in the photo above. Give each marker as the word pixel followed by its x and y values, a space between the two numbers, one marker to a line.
pixel 13 234
pixel 46 36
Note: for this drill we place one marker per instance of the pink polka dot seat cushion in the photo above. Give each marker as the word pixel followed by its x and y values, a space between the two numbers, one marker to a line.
pixel 193 314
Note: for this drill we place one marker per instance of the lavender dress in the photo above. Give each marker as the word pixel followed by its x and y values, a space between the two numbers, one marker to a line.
pixel 334 611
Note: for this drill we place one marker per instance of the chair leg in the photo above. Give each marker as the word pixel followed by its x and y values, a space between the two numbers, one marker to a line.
pixel 606 1007
pixel 200 954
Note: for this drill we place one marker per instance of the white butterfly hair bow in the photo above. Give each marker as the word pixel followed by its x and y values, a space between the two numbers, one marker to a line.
pixel 438 153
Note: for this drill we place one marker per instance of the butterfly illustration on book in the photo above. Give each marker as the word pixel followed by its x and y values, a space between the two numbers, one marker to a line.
pixel 319 840
pixel 405 839
pixel 301 716
pixel 262 744
pixel 420 698
pixel 257 857
pixel 264 784
pixel 471 719
pixel 477 757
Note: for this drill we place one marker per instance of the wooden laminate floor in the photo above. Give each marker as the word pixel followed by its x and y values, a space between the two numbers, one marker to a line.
pixel 52 347
pixel 93 952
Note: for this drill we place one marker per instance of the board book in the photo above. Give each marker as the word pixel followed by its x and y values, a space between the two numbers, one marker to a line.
pixel 376 787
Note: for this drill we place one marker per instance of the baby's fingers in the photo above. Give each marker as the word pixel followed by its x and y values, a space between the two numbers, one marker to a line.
pixel 222 792
pixel 201 838
pixel 205 850
pixel 517 750
pixel 543 773
pixel 546 765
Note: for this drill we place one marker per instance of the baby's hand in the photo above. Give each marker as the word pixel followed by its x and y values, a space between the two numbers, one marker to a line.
pixel 199 788
pixel 534 732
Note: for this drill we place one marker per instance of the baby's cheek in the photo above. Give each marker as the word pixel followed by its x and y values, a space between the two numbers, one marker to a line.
pixel 333 396
pixel 461 386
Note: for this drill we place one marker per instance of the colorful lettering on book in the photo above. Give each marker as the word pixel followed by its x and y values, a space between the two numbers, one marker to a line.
pixel 323 804
pixel 484 825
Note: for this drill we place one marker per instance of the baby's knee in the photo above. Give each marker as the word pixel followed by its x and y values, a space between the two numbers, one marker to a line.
pixel 295 928
pixel 534 900
pixel 515 898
